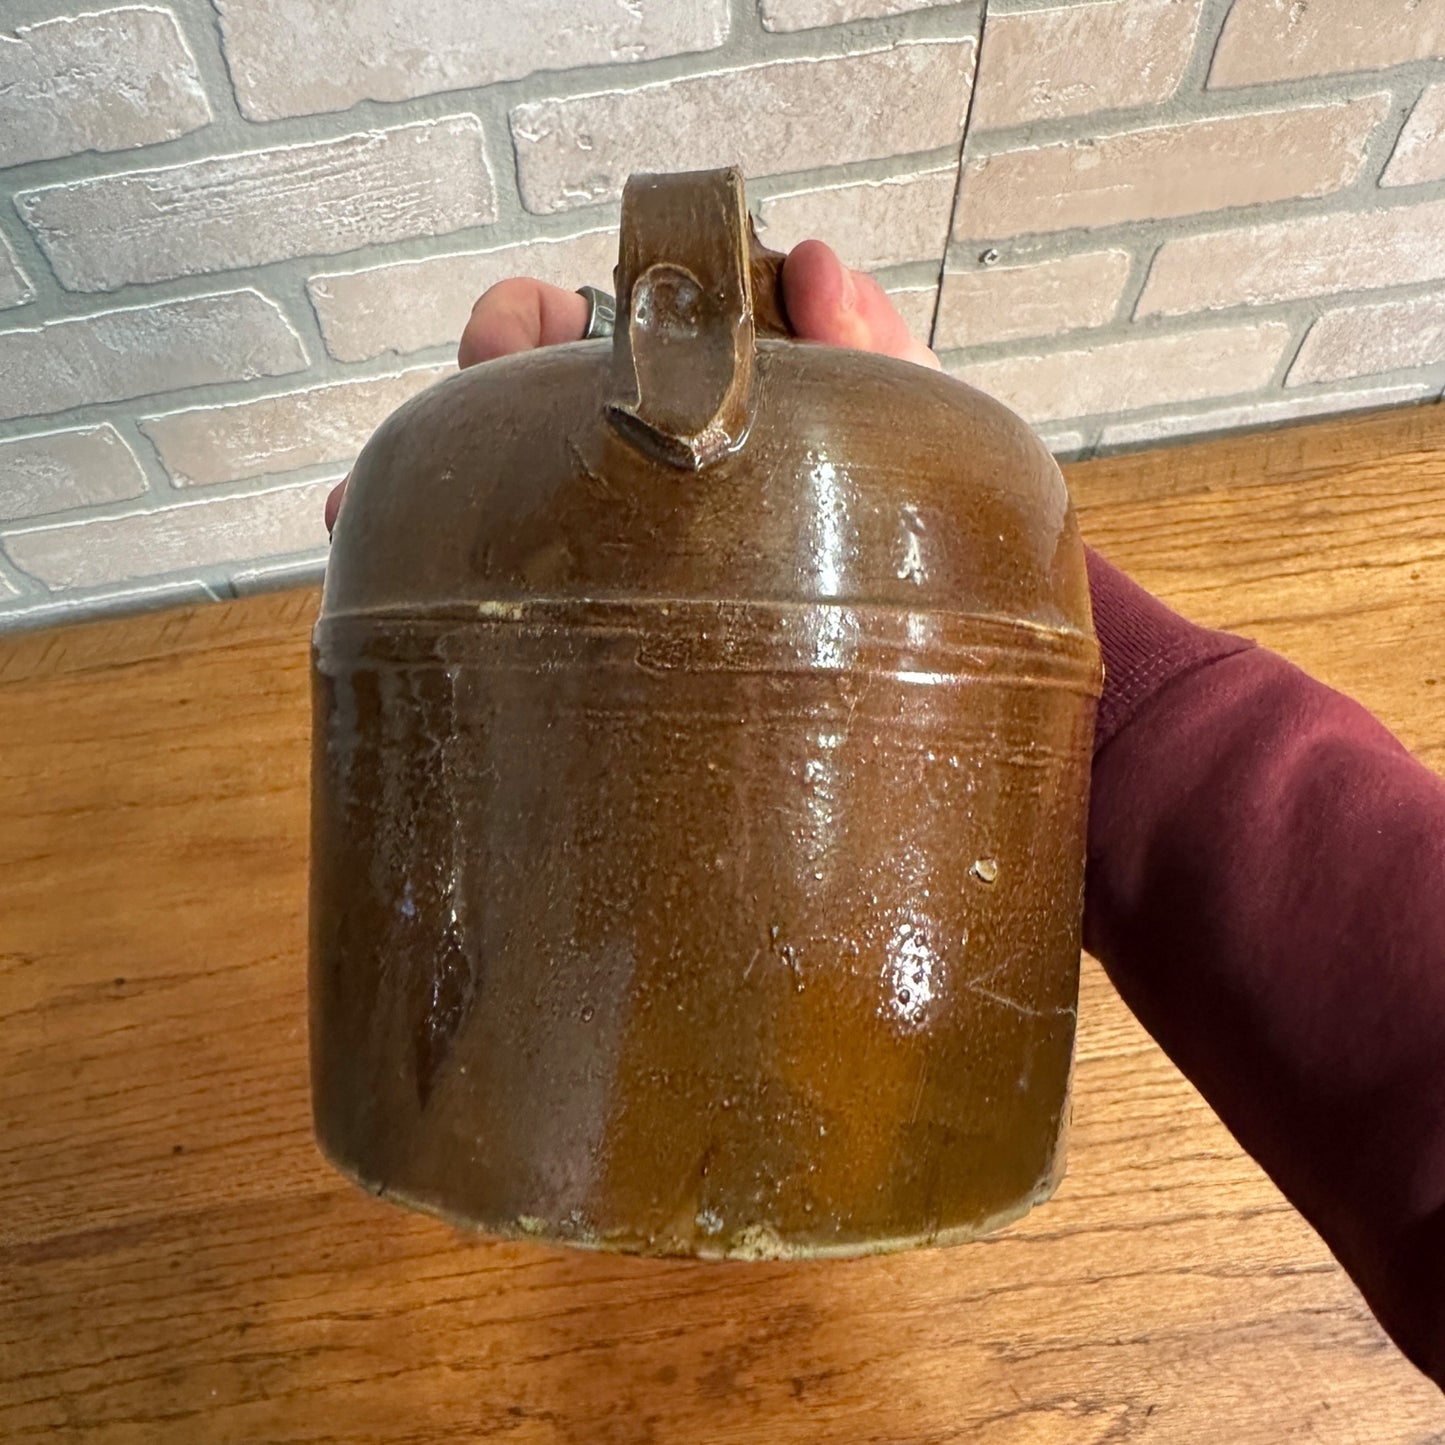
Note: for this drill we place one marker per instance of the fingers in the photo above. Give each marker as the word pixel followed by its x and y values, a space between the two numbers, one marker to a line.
pixel 829 303
pixel 333 504
pixel 825 300
pixel 519 315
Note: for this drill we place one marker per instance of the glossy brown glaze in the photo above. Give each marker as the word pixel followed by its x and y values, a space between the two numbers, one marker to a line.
pixel 702 725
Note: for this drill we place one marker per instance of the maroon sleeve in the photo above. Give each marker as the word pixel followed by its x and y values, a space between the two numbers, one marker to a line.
pixel 1266 888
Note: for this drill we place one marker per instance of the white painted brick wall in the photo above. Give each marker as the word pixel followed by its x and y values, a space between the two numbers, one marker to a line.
pixel 1164 171
pixel 100 81
pixel 58 471
pixel 1420 153
pixel 203 446
pixel 785 115
pixel 1307 256
pixel 411 305
pixel 1286 39
pixel 103 551
pixel 1124 375
pixel 246 229
pixel 1000 302
pixel 1362 340
pixel 1074 59
pixel 297 57
pixel 244 210
pixel 140 350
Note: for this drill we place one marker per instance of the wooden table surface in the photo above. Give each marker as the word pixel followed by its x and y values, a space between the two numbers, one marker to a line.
pixel 177 1264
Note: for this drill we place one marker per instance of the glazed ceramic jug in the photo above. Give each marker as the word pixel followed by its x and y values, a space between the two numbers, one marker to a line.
pixel 701 760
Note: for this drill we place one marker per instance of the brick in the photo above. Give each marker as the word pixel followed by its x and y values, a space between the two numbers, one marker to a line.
pixel 1285 260
pixel 58 470
pixel 1274 40
pixel 1144 371
pixel 271 434
pixel 188 537
pixel 786 115
pixel 809 14
pixel 105 81
pixel 1366 340
pixel 915 304
pixel 1076 59
pixel 1169 170
pixel 140 350
pixel 15 285
pixel 999 303
pixel 258 206
pixel 1420 151
pixel 294 57
pixel 1257 414
pixel 409 305
pixel 868 223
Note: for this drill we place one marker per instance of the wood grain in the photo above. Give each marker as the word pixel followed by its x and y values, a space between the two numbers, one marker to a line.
pixel 177 1265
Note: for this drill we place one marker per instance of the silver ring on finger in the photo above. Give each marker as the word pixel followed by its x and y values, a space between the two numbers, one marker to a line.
pixel 601 313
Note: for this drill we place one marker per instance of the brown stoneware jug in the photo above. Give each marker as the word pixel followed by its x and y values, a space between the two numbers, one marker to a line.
pixel 701 761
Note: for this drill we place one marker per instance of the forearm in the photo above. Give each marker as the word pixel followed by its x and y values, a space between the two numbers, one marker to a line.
pixel 1266 888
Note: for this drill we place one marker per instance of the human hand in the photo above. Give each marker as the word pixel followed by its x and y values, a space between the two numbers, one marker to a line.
pixel 826 302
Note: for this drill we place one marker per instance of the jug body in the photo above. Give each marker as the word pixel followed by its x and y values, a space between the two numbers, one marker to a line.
pixel 698 825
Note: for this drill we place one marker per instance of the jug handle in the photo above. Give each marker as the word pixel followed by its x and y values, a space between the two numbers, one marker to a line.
pixel 770 313
pixel 694 288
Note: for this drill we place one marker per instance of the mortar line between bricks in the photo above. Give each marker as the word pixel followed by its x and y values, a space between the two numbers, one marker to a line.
pixel 1212 20
pixel 25 586
pixel 953 210
pixel 33 261
pixel 200 24
pixel 747 20
pixel 1141 263
pixel 1301 326
pixel 294 298
pixel 157 479
pixel 1381 147
pixel 907 275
